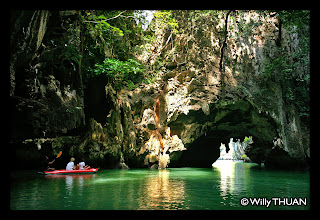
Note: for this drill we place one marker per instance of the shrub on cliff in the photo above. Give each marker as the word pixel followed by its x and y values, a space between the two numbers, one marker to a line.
pixel 120 73
pixel 248 140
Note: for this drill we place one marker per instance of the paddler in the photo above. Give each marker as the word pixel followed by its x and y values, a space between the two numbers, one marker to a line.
pixel 83 166
pixel 46 164
pixel 70 165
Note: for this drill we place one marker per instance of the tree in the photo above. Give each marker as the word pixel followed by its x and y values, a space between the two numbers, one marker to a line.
pixel 120 73
pixel 108 38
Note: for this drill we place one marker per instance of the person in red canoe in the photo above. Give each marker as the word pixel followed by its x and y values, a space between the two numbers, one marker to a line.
pixel 82 165
pixel 46 164
pixel 71 166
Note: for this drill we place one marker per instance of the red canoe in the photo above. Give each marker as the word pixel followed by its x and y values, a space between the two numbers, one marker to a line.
pixel 59 172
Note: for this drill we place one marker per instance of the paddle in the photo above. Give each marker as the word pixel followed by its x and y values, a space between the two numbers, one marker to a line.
pixel 59 154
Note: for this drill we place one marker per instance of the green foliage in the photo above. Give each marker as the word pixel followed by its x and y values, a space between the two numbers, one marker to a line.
pixel 291 69
pixel 66 47
pixel 165 26
pixel 244 157
pixel 120 73
pixel 164 19
pixel 277 67
pixel 246 27
pixel 248 140
pixel 295 84
pixel 108 40
pixel 100 24
pixel 71 53
pixel 292 18
pixel 111 33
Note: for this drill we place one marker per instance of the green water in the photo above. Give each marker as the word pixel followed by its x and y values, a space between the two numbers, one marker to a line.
pixel 174 188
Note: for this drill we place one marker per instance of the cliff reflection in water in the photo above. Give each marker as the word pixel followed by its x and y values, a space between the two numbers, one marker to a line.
pixel 220 188
pixel 234 177
pixel 161 192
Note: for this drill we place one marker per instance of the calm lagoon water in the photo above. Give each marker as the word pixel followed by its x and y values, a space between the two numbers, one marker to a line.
pixel 217 188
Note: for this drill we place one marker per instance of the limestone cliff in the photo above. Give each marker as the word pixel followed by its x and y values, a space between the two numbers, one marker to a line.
pixel 213 81
pixel 46 96
pixel 219 88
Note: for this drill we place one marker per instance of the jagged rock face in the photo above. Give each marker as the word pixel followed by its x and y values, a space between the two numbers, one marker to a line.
pixel 188 131
pixel 148 119
pixel 201 100
pixel 210 97
pixel 46 97
pixel 46 102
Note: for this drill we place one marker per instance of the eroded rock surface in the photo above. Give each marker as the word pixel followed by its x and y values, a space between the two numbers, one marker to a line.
pixel 200 98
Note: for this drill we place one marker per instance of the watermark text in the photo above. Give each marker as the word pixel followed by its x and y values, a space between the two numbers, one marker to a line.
pixel 276 201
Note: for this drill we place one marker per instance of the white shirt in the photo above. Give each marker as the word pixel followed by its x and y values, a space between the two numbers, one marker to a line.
pixel 81 165
pixel 70 166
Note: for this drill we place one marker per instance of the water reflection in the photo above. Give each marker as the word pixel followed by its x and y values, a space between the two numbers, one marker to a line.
pixel 234 178
pixel 174 188
pixel 73 186
pixel 72 180
pixel 161 192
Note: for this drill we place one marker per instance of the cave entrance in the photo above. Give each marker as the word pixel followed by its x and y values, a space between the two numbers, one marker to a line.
pixel 97 105
pixel 204 151
pixel 201 153
pixel 227 120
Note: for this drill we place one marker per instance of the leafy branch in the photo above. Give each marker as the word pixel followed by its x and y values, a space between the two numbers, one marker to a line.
pixel 101 23
pixel 120 73
pixel 107 19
